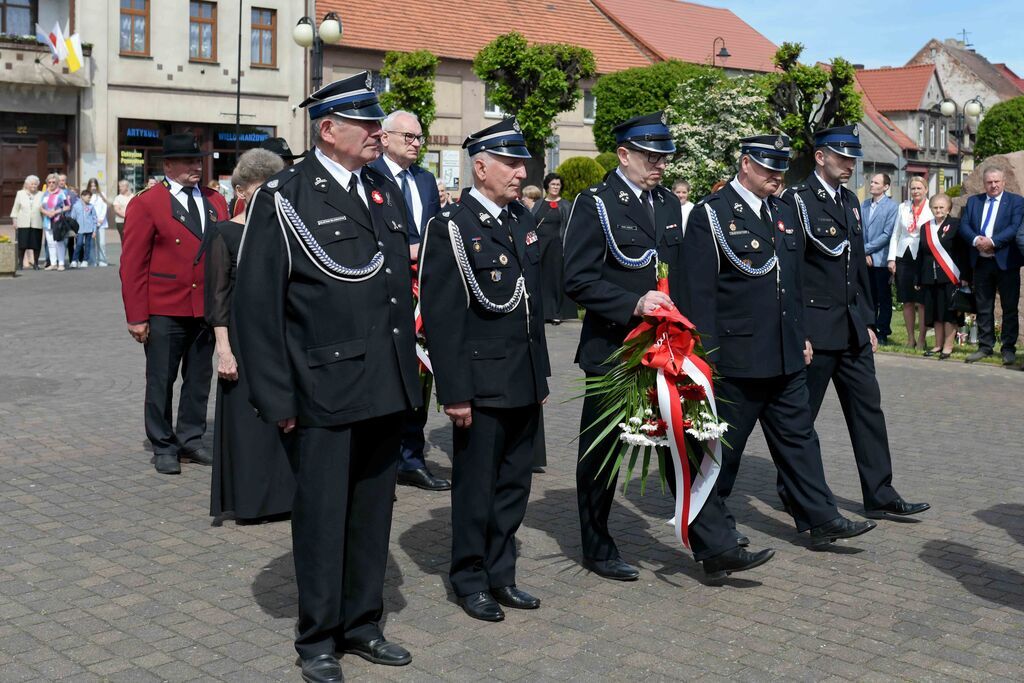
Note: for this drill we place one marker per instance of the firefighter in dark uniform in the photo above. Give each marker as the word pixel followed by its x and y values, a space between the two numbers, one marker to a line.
pixel 479 297
pixel 839 314
pixel 617 233
pixel 743 248
pixel 324 316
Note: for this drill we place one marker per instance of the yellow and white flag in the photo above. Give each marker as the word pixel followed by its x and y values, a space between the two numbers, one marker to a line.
pixel 74 53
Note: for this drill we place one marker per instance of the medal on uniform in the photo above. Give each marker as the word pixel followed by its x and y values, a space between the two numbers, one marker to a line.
pixel 531 237
pixel 495 276
pixel 732 227
pixel 747 262
pixel 377 197
pixel 754 244
pixel 782 227
pixel 832 231
pixel 623 197
pixel 476 244
pixel 503 260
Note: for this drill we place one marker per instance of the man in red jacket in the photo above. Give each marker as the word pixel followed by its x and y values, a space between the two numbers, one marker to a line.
pixel 162 288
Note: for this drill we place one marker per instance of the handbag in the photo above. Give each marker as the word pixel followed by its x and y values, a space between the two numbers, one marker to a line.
pixel 963 301
pixel 63 226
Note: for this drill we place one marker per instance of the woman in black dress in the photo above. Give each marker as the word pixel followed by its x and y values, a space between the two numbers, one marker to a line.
pixel 252 479
pixel 552 214
pixel 940 260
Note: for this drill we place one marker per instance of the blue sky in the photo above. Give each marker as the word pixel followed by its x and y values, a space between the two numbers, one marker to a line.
pixel 877 33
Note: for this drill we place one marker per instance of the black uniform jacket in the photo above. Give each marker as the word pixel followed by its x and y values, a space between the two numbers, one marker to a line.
pixel 497 360
pixel 836 288
pixel 598 282
pixel 751 325
pixel 929 272
pixel 314 343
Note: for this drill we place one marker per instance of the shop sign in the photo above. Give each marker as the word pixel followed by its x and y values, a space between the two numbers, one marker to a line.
pixel 131 157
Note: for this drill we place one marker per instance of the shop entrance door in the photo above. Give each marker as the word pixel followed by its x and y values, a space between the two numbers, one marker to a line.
pixel 18 160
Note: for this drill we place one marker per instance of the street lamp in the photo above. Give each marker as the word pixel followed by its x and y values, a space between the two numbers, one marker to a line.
pixel 306 35
pixel 971 109
pixel 721 54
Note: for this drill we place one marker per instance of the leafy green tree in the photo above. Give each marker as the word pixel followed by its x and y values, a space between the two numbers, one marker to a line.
pixel 1002 129
pixel 806 98
pixel 579 173
pixel 609 160
pixel 534 83
pixel 641 90
pixel 412 84
pixel 709 116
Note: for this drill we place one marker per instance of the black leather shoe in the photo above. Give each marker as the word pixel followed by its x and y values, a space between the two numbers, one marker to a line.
pixel 166 463
pixel 736 560
pixel 379 651
pixel 1009 357
pixel 840 527
pixel 322 669
pixel 742 541
pixel 976 356
pixel 510 596
pixel 898 507
pixel 614 569
pixel 423 479
pixel 482 606
pixel 199 456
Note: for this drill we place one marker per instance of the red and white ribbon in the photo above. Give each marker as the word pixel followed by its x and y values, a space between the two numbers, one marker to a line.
pixel 942 256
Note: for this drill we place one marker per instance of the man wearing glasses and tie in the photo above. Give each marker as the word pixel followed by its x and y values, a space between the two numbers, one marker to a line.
pixel 401 141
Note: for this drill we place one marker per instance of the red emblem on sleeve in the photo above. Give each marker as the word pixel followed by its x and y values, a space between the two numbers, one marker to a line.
pixel 782 226
pixel 377 197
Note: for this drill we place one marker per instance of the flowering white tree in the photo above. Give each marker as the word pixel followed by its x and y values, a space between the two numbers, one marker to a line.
pixel 709 115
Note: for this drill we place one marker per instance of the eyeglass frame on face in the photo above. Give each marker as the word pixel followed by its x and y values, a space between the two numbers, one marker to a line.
pixel 408 137
pixel 653 158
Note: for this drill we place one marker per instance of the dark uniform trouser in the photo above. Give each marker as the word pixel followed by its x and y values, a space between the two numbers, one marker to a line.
pixel 174 342
pixel 412 440
pixel 781 404
pixel 710 533
pixel 341 523
pixel 853 372
pixel 492 464
pixel 989 279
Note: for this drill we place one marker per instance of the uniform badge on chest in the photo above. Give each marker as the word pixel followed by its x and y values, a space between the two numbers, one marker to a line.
pixel 531 237
pixel 623 197
pixel 377 197
pixel 495 276
pixel 503 260
pixel 737 208
pixel 782 226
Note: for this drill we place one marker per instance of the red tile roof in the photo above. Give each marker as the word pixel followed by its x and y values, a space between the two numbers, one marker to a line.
pixel 881 120
pixel 380 25
pixel 1011 76
pixel 896 89
pixel 686 31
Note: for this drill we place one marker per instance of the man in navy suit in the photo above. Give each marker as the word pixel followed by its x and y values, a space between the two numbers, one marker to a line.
pixel 989 224
pixel 879 219
pixel 401 143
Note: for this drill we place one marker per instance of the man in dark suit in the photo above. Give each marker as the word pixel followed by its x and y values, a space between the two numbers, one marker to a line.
pixel 743 253
pixel 479 280
pixel 841 317
pixel 989 224
pixel 401 142
pixel 162 272
pixel 618 232
pixel 323 311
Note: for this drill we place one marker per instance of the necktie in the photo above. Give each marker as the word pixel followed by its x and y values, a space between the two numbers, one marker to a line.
pixel 990 207
pixel 766 215
pixel 503 219
pixel 645 198
pixel 839 198
pixel 353 192
pixel 193 208
pixel 410 215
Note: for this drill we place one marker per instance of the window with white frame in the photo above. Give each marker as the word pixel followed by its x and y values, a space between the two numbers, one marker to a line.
pixel 920 133
pixel 490 108
pixel 589 106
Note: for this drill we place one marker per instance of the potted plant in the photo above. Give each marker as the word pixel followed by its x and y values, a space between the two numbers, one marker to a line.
pixel 8 256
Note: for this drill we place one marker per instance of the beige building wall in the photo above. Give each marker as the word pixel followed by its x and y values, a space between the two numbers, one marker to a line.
pixel 167 86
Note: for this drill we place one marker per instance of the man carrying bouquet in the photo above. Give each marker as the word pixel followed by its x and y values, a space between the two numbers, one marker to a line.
pixel 743 251
pixel 479 286
pixel 618 232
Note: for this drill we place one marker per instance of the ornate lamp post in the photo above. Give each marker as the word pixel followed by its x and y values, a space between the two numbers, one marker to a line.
pixel 305 34
pixel 950 109
pixel 722 53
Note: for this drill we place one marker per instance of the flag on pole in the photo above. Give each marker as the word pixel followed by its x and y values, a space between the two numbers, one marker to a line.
pixel 74 53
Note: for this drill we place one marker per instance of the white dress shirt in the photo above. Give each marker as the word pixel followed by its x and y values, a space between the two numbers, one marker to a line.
pixel 748 197
pixel 417 203
pixel 491 207
pixel 637 190
pixel 996 201
pixel 180 193
pixel 828 188
pixel 342 174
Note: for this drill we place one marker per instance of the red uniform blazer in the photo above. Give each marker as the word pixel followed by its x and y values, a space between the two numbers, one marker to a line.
pixel 161 265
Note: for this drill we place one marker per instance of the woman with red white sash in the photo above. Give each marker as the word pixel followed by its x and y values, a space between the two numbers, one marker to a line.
pixel 939 262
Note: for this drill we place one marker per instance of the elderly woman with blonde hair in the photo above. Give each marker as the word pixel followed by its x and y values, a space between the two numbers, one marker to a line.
pixel 29 222
pixel 251 477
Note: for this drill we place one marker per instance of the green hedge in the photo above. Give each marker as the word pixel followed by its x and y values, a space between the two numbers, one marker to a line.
pixel 578 173
pixel 609 160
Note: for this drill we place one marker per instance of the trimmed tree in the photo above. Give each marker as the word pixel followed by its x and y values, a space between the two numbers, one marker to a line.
pixel 412 85
pixel 578 173
pixel 641 90
pixel 1002 129
pixel 709 115
pixel 534 83
pixel 807 98
pixel 609 160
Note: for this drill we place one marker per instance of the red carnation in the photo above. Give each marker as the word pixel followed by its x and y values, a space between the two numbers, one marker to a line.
pixel 661 427
pixel 553 205
pixel 693 392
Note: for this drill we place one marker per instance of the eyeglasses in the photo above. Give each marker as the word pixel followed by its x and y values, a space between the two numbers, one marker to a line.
pixel 409 137
pixel 655 158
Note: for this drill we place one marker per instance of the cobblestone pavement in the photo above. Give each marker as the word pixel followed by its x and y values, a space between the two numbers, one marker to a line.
pixel 111 572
